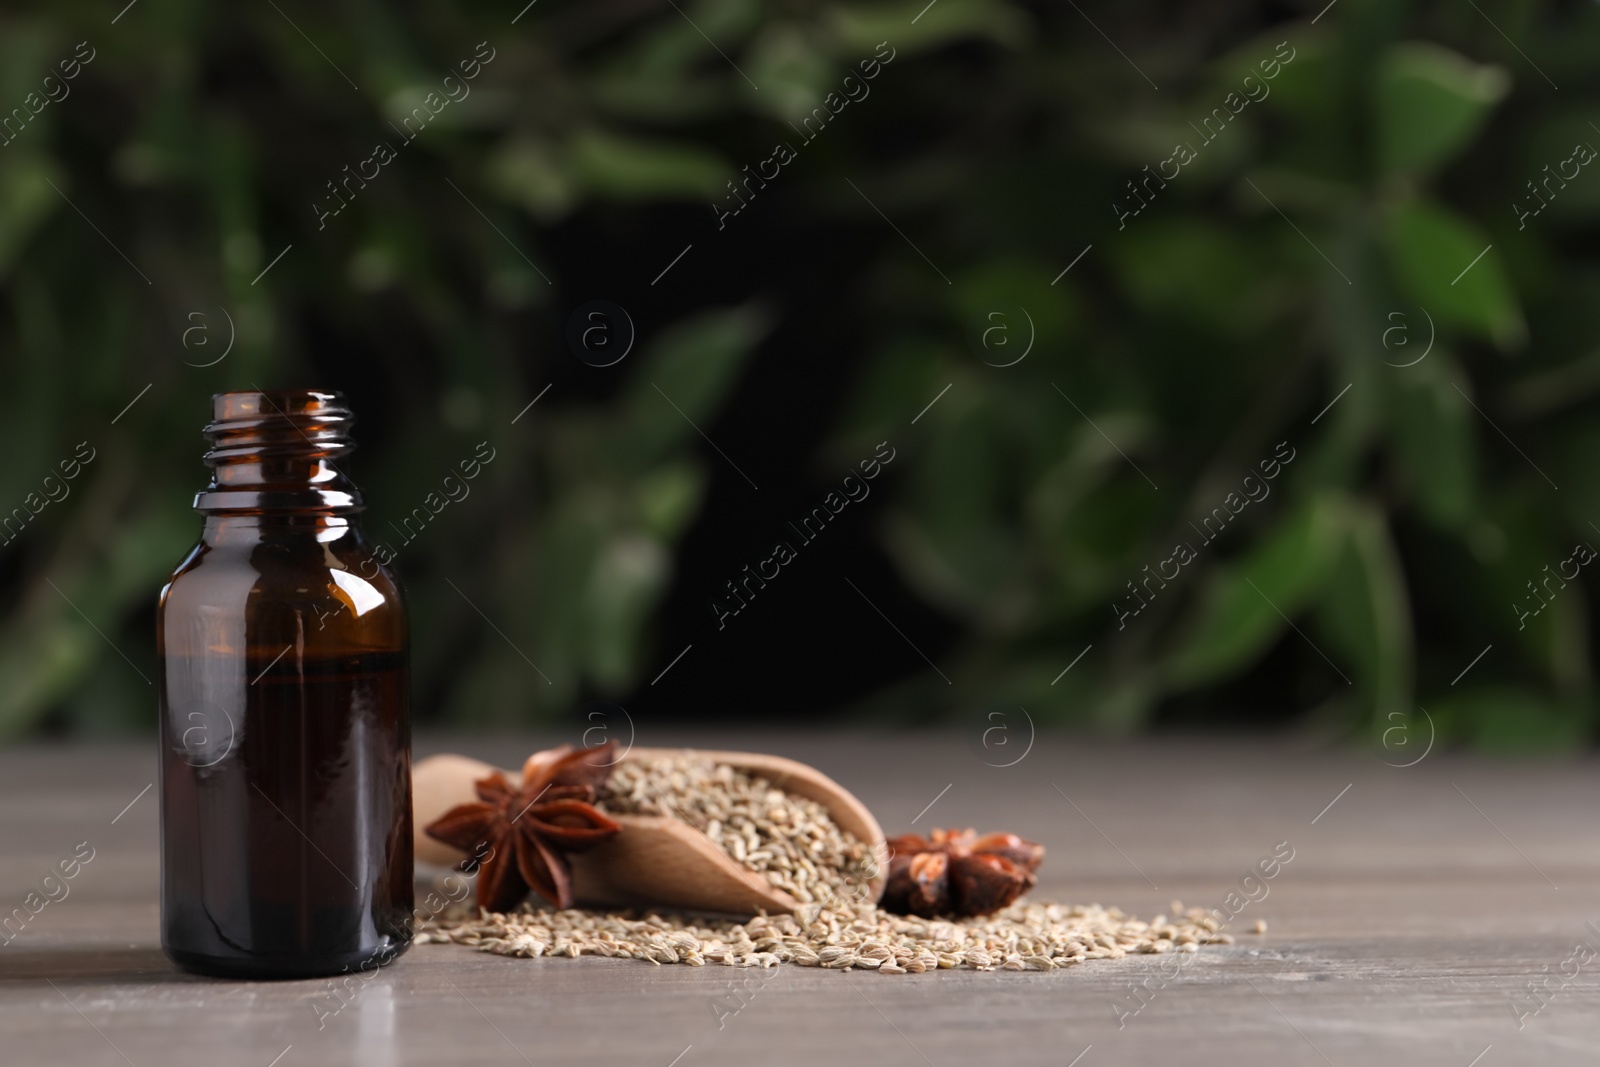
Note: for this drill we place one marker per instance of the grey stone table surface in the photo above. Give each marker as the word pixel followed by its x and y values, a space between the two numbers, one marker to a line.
pixel 1420 903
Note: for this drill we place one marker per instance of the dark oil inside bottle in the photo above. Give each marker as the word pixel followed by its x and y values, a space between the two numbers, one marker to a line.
pixel 285 732
pixel 292 858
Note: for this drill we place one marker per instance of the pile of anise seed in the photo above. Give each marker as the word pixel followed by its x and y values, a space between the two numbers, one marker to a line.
pixel 1028 936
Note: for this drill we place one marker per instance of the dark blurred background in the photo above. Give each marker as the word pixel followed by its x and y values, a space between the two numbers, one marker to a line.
pixel 899 287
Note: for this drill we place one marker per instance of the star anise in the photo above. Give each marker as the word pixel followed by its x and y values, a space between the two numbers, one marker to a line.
pixel 957 872
pixel 520 835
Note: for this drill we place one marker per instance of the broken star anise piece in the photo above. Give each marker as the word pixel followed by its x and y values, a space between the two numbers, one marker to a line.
pixel 956 872
pixel 520 836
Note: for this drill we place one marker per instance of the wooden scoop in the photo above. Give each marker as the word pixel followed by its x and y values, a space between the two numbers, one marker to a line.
pixel 658 860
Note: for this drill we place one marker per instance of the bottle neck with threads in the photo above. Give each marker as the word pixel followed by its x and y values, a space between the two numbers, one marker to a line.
pixel 275 452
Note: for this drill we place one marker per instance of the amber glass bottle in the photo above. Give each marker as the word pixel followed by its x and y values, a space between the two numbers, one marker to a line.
pixel 285 730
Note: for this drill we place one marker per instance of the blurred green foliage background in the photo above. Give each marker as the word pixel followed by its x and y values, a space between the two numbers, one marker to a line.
pixel 1311 252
